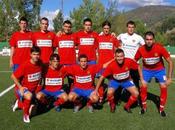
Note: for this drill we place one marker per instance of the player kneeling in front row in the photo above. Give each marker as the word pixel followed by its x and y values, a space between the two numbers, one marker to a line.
pixel 152 54
pixel 54 78
pixel 27 78
pixel 119 69
pixel 84 75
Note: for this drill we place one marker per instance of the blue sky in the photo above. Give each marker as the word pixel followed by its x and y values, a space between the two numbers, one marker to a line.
pixel 50 8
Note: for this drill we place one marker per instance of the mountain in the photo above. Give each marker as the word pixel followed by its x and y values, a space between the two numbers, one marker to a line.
pixel 151 15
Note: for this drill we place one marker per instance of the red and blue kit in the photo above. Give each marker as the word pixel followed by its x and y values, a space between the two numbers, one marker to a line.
pixel 45 41
pixel 22 42
pixel 54 79
pixel 106 48
pixel 29 75
pixel 152 60
pixel 120 73
pixel 87 44
pixel 66 48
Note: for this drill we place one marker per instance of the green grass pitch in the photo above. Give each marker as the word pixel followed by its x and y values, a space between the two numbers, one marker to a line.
pixel 83 120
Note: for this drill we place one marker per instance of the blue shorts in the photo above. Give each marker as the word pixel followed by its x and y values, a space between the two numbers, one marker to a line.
pixel 15 67
pixel 124 84
pixel 160 75
pixel 91 62
pixel 83 92
pixel 19 93
pixel 55 94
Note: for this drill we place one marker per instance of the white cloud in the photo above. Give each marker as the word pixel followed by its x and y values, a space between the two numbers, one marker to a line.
pixel 138 3
pixel 50 15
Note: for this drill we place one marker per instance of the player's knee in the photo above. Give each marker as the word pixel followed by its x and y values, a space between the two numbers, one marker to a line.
pixel 39 96
pixel 94 98
pixel 28 96
pixel 110 92
pixel 64 97
pixel 71 97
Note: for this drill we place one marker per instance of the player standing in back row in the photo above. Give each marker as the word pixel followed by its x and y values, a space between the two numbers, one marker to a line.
pixel 87 41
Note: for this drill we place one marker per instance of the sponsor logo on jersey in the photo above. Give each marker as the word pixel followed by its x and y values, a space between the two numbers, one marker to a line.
pixel 53 81
pixel 152 60
pixel 86 41
pixel 34 77
pixel 106 45
pixel 24 43
pixel 121 76
pixel 44 43
pixel 66 44
pixel 83 79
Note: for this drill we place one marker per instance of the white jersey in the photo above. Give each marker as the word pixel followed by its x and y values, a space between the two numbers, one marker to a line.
pixel 130 43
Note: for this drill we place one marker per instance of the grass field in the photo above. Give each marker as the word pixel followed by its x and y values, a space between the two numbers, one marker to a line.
pixel 99 120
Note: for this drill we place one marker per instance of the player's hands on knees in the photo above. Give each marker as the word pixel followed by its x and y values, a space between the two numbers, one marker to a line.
pixel 22 90
pixel 143 82
pixel 168 81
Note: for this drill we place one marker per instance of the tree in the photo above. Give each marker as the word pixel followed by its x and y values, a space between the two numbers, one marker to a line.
pixel 58 21
pixel 93 9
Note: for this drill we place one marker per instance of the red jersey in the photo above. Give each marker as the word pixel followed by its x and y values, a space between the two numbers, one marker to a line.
pixel 83 78
pixel 152 59
pixel 87 44
pixel 54 79
pixel 46 43
pixel 120 72
pixel 22 42
pixel 106 48
pixel 66 48
pixel 29 75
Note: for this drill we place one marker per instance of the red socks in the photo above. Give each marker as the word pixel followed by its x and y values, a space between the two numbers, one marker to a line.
pixel 89 103
pixel 143 95
pixel 131 100
pixel 101 92
pixel 163 97
pixel 111 100
pixel 26 107
pixel 59 102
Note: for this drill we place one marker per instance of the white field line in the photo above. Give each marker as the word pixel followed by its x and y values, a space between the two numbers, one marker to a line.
pixel 6 90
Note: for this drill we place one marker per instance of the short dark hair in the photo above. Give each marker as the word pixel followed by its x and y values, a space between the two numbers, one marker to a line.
pixel 119 50
pixel 23 19
pixel 87 20
pixel 82 56
pixel 149 33
pixel 35 49
pixel 44 18
pixel 67 22
pixel 54 56
pixel 131 23
pixel 106 23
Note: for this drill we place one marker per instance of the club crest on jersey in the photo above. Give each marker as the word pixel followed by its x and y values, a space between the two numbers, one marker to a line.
pixel 133 40
pixel 49 36
pixel 126 68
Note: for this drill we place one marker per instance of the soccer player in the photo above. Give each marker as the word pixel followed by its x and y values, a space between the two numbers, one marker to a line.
pixel 130 42
pixel 119 70
pixel 21 43
pixel 87 41
pixel 107 43
pixel 66 43
pixel 84 75
pixel 152 54
pixel 27 78
pixel 54 79
pixel 44 39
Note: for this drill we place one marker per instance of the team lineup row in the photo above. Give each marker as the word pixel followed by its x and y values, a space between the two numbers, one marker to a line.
pixel 118 63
